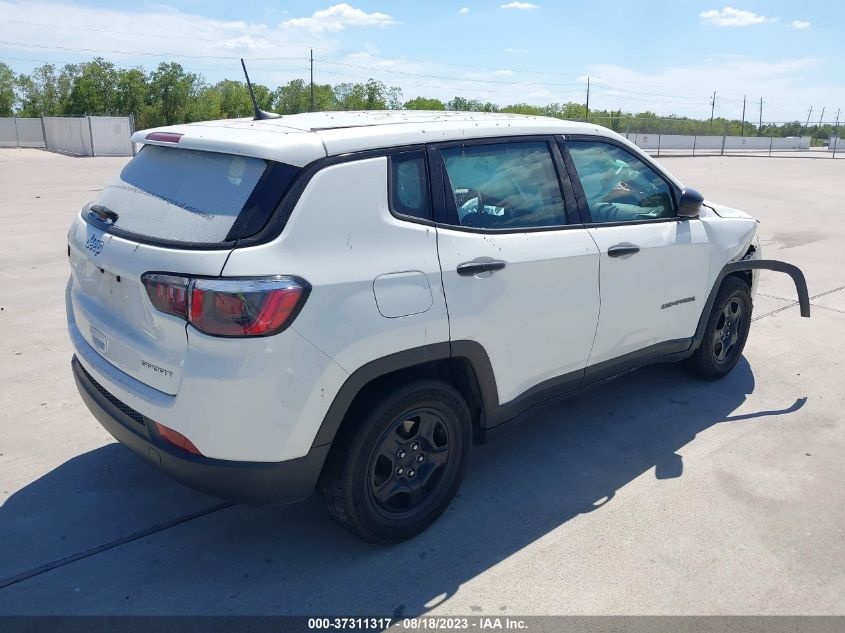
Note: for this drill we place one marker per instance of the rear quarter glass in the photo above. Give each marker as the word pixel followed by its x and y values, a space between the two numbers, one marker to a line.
pixel 193 196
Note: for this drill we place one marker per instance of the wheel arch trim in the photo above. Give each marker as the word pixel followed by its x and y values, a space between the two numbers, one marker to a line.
pixel 752 264
pixel 470 351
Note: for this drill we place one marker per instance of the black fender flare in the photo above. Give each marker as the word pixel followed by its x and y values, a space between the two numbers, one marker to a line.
pixel 470 351
pixel 753 264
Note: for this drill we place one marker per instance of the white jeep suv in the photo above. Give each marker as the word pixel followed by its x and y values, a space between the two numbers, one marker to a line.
pixel 346 300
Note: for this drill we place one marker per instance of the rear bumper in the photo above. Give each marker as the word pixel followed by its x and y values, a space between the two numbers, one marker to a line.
pixel 256 483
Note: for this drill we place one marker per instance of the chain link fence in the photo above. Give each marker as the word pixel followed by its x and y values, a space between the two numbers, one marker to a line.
pixel 669 136
pixel 688 137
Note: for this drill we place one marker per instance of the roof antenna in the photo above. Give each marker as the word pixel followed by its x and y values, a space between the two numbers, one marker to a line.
pixel 259 113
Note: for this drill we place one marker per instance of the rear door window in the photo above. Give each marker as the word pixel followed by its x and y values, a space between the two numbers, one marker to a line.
pixel 509 186
pixel 193 196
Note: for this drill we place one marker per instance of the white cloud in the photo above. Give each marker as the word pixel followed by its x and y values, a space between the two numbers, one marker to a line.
pixel 687 89
pixel 503 73
pixel 733 17
pixel 338 17
pixel 464 11
pixel 278 53
pixel 520 5
pixel 799 24
pixel 60 32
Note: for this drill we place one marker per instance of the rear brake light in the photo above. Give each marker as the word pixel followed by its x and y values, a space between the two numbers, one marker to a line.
pixel 246 307
pixel 168 293
pixel 163 137
pixel 177 439
pixel 257 306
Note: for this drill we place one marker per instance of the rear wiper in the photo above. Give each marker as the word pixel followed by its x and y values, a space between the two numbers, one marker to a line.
pixel 103 214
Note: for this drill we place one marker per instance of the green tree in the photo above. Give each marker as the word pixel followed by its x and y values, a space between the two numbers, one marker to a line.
pixel 93 90
pixel 371 95
pixel 295 97
pixel 471 105
pixel 46 92
pixel 234 99
pixel 7 91
pixel 207 106
pixel 424 103
pixel 130 94
pixel 524 108
pixel 172 91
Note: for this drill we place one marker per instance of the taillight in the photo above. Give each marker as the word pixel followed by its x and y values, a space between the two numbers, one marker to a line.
pixel 168 293
pixel 256 306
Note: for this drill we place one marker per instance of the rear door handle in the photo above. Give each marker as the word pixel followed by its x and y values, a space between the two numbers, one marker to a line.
pixel 620 250
pixel 468 269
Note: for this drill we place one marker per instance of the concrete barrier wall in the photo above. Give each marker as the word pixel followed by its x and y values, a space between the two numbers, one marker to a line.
pixel 68 135
pixel 30 133
pixel 680 141
pixel 110 135
pixel 81 136
pixel 15 132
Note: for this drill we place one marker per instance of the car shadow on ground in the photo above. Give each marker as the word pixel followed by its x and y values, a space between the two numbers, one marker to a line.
pixel 556 464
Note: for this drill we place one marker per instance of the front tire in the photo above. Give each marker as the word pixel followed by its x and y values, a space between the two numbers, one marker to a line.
pixel 403 465
pixel 726 331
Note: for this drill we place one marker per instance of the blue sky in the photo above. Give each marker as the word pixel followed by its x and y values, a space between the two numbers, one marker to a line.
pixel 665 56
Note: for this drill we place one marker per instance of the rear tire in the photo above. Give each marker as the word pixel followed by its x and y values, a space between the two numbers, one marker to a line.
pixel 403 464
pixel 725 333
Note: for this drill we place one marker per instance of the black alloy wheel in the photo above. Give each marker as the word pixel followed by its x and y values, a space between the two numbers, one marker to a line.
pixel 398 461
pixel 410 461
pixel 725 333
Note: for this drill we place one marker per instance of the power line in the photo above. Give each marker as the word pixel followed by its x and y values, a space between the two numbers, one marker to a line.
pixel 115 52
pixel 523 71
pixel 190 68
pixel 435 87
pixel 349 65
pixel 302 46
pixel 444 77
pixel 191 38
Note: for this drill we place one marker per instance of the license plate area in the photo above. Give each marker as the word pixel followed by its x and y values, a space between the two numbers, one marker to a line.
pixel 105 287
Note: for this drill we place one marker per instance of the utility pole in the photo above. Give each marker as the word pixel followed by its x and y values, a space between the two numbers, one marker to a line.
pixel 742 131
pixel 587 118
pixel 312 79
pixel 712 108
pixel 821 117
pixel 836 135
pixel 760 127
pixel 809 114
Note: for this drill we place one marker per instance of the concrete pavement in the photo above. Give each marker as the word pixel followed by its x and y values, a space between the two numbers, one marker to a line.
pixel 655 494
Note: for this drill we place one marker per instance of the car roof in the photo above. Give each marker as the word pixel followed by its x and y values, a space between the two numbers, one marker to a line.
pixel 299 139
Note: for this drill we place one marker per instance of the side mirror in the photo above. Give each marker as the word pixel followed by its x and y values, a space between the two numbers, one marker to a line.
pixel 690 205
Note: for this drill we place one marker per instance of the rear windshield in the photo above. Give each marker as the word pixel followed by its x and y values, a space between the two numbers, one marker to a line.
pixel 193 196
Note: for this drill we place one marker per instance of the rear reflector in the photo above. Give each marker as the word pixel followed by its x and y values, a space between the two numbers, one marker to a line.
pixel 254 306
pixel 164 137
pixel 177 439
